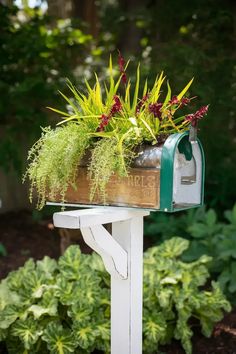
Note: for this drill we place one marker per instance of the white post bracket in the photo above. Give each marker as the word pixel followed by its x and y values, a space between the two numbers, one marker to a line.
pixel 122 254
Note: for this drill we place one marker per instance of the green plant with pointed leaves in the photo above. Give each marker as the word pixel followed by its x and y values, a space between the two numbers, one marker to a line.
pixel 63 307
pixel 109 124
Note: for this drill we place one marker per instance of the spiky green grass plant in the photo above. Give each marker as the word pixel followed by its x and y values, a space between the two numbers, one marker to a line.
pixel 111 126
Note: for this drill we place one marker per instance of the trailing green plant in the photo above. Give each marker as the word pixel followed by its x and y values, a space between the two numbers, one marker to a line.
pixel 63 307
pixel 58 153
pixel 207 235
pixel 115 125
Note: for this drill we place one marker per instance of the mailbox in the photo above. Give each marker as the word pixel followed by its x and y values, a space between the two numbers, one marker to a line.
pixel 167 177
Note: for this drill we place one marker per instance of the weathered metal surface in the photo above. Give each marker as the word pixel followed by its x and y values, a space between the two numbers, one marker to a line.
pixel 141 188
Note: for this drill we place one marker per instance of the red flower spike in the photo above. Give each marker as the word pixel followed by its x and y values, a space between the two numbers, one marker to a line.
pixel 185 101
pixel 155 109
pixel 117 106
pixel 195 117
pixel 174 100
pixel 121 63
pixel 124 78
pixel 141 103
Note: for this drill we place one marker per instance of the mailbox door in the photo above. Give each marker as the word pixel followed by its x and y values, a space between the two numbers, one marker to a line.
pixel 182 174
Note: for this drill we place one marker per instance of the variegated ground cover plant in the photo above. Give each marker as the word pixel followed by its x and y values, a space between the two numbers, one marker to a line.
pixel 63 307
pixel 111 125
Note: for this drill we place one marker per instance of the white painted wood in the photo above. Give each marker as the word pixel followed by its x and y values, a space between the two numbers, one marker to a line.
pixel 76 219
pixel 114 256
pixel 122 254
pixel 126 295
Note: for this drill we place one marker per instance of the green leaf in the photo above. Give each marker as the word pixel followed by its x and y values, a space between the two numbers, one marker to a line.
pixel 70 262
pixel 7 297
pixel 59 340
pixel 211 217
pixel 86 336
pixel 47 266
pixel 28 331
pixel 8 315
pixel 135 99
pixel 48 306
pixel 3 251
pixel 147 126
pixel 154 327
pixel 182 93
pixel 168 95
pixel 3 334
pixel 173 247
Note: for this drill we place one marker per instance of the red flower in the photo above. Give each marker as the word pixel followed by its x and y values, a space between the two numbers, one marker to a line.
pixel 174 100
pixel 116 106
pixel 155 109
pixel 195 117
pixel 185 101
pixel 141 103
pixel 121 62
pixel 104 122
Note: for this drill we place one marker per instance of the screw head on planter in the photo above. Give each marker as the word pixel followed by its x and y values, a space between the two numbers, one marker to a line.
pixel 122 150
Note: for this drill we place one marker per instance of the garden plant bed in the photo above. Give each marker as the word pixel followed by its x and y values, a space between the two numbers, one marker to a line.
pixel 24 238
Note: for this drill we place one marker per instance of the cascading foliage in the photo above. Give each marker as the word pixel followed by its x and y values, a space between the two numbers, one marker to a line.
pixel 64 307
pixel 110 124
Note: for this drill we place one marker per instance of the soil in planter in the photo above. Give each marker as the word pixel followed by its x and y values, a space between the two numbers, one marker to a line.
pixel 24 238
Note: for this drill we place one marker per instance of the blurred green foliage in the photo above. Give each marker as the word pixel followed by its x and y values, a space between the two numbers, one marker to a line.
pixel 207 235
pixel 35 57
pixel 3 251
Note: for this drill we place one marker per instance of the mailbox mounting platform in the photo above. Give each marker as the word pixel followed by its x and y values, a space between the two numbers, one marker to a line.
pixel 122 254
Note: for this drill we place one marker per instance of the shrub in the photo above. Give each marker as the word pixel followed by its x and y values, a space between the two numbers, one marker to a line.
pixel 63 307
pixel 207 235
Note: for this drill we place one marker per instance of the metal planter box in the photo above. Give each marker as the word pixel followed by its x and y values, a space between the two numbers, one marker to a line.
pixel 169 177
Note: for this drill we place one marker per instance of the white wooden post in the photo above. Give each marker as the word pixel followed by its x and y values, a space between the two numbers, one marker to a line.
pixel 122 254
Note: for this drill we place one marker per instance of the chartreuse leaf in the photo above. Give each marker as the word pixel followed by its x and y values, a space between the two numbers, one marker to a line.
pixel 135 99
pixel 182 93
pixel 80 314
pixel 59 340
pixel 7 296
pixel 154 327
pixel 8 315
pixel 28 331
pixel 48 305
pixel 47 266
pixel 173 247
pixel 70 262
pixel 168 95
pixel 85 335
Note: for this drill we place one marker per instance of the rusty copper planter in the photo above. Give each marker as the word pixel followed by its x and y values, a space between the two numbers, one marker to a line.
pixel 141 188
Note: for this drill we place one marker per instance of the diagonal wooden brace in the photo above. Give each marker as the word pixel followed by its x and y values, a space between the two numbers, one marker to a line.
pixel 115 258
